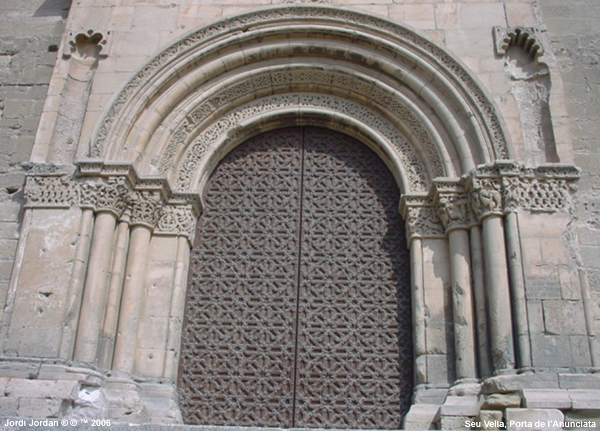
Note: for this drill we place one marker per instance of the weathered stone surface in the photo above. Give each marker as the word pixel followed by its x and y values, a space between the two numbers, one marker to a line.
pixel 421 417
pixel 533 419
pixel 578 419
pixel 460 406
pixel 501 401
pixel 514 383
pixel 547 118
pixel 489 420
pixel 546 399
pixel 585 399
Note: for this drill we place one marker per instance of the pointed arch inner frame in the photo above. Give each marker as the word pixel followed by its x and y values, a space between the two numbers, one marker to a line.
pixel 444 117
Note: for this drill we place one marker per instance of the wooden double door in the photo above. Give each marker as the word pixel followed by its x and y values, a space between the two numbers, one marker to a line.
pixel 298 307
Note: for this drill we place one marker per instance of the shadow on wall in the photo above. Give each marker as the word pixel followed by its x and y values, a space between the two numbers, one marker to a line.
pixel 54 8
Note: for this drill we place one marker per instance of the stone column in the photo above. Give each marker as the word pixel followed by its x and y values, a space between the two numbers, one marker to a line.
pixel 131 302
pixel 454 211
pixel 517 282
pixel 76 284
pixel 113 302
pixel 177 309
pixel 498 295
pixel 481 331
pixel 487 203
pixel 462 305
pixel 84 50
pixel 146 208
pixel 94 296
pixel 418 310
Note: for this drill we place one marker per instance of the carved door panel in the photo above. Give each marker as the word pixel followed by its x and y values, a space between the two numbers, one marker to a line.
pixel 298 309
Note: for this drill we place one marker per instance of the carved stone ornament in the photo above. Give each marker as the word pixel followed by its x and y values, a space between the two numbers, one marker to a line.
pixel 525 37
pixel 421 217
pixel 508 186
pixel 196 152
pixel 100 38
pixel 264 20
pixel 489 189
pixel 101 188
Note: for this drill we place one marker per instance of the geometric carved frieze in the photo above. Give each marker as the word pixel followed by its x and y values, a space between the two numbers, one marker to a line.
pixel 117 189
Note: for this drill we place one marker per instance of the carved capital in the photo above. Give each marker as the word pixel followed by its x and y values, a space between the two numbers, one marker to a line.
pixel 145 207
pixel 421 218
pixel 111 195
pixel 486 197
pixel 178 220
pixel 452 204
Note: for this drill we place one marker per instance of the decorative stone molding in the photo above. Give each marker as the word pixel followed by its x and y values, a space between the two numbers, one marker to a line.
pixel 280 80
pixel 99 38
pixel 145 207
pixel 118 189
pixel 453 205
pixel 486 197
pixel 490 189
pixel 454 86
pixel 51 192
pixel 508 187
pixel 196 152
pixel 177 219
pixel 421 217
pixel 525 37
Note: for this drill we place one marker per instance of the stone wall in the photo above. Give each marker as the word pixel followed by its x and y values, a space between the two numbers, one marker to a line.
pixel 30 36
pixel 575 38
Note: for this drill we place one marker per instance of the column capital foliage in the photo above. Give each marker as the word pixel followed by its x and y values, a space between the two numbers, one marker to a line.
pixel 116 189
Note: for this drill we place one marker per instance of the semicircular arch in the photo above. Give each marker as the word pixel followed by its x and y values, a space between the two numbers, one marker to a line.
pixel 408 98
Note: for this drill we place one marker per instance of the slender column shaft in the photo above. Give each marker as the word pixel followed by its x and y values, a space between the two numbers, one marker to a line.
pixel 115 289
pixel 483 351
pixel 15 277
pixel 76 284
pixel 498 294
pixel 462 304
pixel 177 309
pixel 589 317
pixel 517 283
pixel 131 302
pixel 96 283
pixel 418 310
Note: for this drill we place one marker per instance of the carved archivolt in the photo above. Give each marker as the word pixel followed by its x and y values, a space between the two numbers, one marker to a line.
pixel 189 97
pixel 119 191
pixel 195 154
